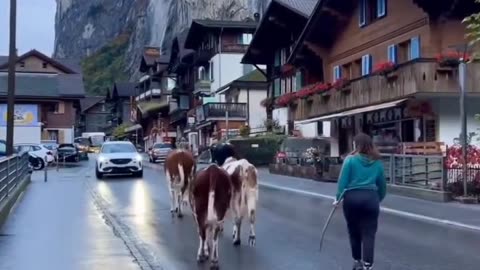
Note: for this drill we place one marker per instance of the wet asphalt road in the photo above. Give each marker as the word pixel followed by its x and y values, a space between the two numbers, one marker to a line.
pixel 288 229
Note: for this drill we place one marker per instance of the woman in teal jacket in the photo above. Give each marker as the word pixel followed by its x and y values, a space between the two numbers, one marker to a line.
pixel 362 186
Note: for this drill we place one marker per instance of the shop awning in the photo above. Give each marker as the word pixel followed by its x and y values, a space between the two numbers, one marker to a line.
pixel 354 111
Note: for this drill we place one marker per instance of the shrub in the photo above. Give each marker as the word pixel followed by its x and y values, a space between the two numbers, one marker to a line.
pixel 263 150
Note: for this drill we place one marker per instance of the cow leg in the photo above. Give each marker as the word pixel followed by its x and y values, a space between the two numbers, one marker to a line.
pixel 252 205
pixel 180 204
pixel 171 190
pixel 214 250
pixel 201 255
pixel 237 230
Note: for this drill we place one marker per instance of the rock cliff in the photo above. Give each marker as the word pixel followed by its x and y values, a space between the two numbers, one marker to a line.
pixel 83 27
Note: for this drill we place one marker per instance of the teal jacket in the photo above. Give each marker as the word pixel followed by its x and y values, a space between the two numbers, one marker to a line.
pixel 360 172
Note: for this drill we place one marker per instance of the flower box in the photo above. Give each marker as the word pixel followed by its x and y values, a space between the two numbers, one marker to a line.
pixel 342 85
pixel 449 61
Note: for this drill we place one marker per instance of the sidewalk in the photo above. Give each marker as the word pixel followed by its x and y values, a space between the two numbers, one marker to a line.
pixel 448 213
pixel 56 226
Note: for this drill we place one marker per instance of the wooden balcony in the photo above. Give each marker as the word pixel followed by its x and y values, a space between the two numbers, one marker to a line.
pixel 234 48
pixel 217 111
pixel 421 77
pixel 202 87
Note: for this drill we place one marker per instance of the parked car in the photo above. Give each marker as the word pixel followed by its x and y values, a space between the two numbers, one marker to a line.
pixel 159 152
pixel 51 145
pixel 69 152
pixel 36 149
pixel 118 157
pixel 82 144
pixel 83 152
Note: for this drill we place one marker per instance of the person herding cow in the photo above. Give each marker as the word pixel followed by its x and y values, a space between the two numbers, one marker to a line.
pixel 210 194
pixel 180 170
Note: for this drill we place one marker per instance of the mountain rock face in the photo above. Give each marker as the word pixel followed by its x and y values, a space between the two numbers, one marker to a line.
pixel 83 27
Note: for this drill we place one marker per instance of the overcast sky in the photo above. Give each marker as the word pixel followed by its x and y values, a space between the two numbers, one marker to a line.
pixel 35 25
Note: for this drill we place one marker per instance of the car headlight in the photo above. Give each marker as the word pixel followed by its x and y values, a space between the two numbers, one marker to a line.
pixel 138 158
pixel 102 159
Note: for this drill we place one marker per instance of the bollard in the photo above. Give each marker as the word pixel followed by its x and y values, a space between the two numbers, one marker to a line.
pixel 45 169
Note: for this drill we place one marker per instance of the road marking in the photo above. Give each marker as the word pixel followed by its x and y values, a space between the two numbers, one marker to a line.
pixel 384 209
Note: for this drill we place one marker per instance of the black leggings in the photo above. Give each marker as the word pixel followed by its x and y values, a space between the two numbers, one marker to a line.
pixel 361 208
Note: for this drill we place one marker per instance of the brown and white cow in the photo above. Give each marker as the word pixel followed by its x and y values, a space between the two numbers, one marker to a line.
pixel 179 169
pixel 244 196
pixel 210 195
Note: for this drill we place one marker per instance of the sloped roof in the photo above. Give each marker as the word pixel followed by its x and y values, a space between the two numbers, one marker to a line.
pixel 73 64
pixel 41 85
pixel 125 89
pixel 304 7
pixel 151 55
pixel 253 76
pixel 88 102
pixel 45 58
pixel 3 59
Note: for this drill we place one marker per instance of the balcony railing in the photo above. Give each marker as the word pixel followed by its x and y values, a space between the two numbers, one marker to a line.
pixel 202 87
pixel 234 48
pixel 418 77
pixel 218 111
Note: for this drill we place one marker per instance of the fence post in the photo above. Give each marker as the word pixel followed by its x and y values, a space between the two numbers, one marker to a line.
pixel 443 183
pixel 7 178
pixel 392 169
pixel 45 170
pixel 426 172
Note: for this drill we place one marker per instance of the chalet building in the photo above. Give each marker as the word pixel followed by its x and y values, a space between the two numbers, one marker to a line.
pixel 282 24
pixel 386 66
pixel 47 98
pixel 152 101
pixel 94 115
pixel 120 100
pixel 219 47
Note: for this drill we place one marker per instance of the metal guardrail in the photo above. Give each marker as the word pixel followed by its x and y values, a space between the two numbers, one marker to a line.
pixel 12 170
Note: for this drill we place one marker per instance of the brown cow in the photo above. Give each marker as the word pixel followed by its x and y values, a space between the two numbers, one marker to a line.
pixel 179 169
pixel 210 195
pixel 244 197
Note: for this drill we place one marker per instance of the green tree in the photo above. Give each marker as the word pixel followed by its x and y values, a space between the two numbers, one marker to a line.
pixel 119 132
pixel 473 27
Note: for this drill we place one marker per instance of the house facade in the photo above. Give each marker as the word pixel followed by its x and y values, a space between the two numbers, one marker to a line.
pixel 383 67
pixel 218 49
pixel 119 100
pixel 152 101
pixel 282 24
pixel 47 97
pixel 94 115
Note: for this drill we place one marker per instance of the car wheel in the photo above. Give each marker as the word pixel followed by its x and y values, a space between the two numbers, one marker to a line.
pixel 98 174
pixel 139 174
pixel 40 164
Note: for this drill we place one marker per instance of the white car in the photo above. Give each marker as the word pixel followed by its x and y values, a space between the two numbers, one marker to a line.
pixel 36 149
pixel 119 157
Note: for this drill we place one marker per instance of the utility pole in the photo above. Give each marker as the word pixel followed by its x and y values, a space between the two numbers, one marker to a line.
pixel 11 76
pixel 462 68
pixel 226 124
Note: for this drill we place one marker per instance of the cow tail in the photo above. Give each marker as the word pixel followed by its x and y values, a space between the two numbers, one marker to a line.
pixel 211 216
pixel 181 175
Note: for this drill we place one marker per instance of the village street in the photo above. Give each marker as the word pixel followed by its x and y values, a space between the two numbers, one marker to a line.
pixel 75 221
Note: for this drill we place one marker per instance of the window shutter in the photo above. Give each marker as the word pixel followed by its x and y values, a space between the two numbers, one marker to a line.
pixel 392 53
pixel 381 8
pixel 362 15
pixel 277 58
pixel 415 48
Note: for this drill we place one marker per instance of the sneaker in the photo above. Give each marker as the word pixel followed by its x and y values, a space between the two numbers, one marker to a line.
pixel 358 265
pixel 367 266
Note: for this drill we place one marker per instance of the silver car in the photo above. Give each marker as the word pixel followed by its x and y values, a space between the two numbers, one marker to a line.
pixel 159 152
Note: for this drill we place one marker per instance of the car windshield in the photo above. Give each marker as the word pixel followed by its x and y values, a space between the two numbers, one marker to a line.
pixel 118 148
pixel 66 145
pixel 49 146
pixel 162 145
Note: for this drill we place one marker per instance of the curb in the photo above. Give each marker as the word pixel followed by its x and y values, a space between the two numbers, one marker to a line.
pixel 7 206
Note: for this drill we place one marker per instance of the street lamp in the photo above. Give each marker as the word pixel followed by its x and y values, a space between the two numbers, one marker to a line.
pixel 11 77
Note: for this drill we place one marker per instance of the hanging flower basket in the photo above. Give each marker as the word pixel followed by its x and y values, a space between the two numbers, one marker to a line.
pixel 450 60
pixel 286 100
pixel 341 84
pixel 386 69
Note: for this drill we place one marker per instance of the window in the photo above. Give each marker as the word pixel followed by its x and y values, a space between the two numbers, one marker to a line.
pixel 392 53
pixel 59 107
pixel 404 51
pixel 201 73
pixel 276 88
pixel 337 73
pixel 212 77
pixel 319 128
pixel 22 64
pixel 245 39
pixel 299 80
pixel 278 58
pixel 103 107
pixel 36 148
pixel 415 48
pixel 366 64
pixel 347 71
pixel 44 65
pixel 371 10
